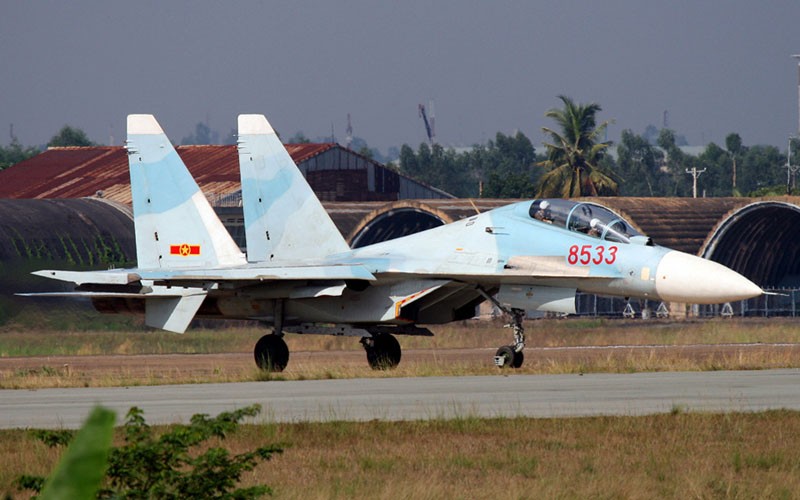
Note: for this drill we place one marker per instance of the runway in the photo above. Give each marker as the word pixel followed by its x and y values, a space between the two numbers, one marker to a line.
pixel 418 398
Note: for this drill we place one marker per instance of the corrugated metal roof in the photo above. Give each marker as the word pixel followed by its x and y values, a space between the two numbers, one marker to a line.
pixel 76 172
pixel 303 152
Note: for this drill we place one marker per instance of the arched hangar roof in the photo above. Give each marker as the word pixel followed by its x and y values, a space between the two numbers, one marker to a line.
pixel 679 223
pixel 759 238
pixel 84 232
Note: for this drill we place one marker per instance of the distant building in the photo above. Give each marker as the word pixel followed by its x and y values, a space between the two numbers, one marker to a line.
pixel 335 173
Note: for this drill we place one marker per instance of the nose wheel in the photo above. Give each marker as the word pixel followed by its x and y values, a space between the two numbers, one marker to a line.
pixel 511 355
pixel 507 356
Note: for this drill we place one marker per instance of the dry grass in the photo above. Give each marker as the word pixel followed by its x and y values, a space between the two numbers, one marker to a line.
pixel 665 456
pixel 20 340
pixel 132 371
pixel 460 349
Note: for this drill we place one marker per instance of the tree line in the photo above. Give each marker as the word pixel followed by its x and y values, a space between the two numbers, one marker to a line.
pixel 574 161
pixel 15 152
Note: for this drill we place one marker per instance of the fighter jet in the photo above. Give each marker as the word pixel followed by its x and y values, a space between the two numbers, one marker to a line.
pixel 300 276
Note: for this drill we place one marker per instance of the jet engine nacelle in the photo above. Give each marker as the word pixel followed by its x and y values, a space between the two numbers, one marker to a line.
pixel 538 298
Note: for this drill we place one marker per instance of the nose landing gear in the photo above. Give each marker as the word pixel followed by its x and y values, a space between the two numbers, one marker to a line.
pixel 509 355
pixel 512 355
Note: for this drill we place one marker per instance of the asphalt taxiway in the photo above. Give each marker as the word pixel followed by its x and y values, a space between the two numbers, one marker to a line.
pixel 418 398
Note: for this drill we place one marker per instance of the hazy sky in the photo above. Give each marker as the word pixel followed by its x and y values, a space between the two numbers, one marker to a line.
pixel 715 66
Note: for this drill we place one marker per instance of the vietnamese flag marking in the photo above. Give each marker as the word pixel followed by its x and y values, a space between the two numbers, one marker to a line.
pixel 184 249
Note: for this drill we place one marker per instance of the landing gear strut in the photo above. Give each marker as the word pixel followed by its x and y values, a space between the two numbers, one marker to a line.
pixel 271 351
pixel 509 355
pixel 512 355
pixel 383 351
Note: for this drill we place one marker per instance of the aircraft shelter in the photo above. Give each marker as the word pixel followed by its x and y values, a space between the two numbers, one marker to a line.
pixel 759 238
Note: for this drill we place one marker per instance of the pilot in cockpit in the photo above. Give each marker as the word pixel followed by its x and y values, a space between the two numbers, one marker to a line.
pixel 543 214
pixel 594 228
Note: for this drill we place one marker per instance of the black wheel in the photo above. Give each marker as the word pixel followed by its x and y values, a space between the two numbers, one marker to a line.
pixel 271 353
pixel 519 357
pixel 505 356
pixel 384 352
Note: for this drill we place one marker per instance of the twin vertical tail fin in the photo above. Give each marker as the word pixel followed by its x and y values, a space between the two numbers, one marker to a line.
pixel 284 220
pixel 175 226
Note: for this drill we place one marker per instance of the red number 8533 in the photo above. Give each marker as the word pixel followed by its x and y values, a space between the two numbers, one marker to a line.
pixel 586 254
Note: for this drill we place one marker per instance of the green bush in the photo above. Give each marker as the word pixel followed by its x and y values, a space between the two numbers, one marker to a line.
pixel 169 465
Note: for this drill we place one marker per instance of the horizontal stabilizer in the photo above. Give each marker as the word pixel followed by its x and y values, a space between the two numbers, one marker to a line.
pixel 98 277
pixel 113 291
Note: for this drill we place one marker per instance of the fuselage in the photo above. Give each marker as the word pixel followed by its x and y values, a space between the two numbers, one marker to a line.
pixel 529 262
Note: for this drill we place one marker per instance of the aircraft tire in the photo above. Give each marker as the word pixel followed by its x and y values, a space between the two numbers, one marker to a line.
pixel 384 353
pixel 271 353
pixel 507 353
pixel 519 357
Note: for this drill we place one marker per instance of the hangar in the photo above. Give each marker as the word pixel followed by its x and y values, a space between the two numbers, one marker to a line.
pixel 759 238
pixel 82 196
pixel 334 172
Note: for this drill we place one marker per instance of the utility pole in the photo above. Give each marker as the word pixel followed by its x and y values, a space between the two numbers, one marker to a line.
pixel 797 58
pixel 790 169
pixel 695 174
pixel 349 138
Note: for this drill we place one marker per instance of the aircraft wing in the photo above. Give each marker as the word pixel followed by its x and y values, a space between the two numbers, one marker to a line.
pixel 317 273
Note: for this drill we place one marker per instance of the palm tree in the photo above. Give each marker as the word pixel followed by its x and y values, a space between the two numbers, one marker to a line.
pixel 574 153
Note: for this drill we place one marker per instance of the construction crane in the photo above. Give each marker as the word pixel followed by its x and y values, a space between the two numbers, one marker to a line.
pixel 349 138
pixel 430 125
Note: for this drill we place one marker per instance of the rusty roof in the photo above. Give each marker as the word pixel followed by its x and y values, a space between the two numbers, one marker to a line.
pixel 77 172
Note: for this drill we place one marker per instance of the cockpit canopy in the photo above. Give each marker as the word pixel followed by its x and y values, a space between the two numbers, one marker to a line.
pixel 587 218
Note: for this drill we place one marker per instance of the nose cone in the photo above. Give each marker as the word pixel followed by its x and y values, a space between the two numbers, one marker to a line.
pixel 681 277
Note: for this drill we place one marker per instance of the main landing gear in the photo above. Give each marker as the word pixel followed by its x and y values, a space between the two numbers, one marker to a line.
pixel 383 351
pixel 271 353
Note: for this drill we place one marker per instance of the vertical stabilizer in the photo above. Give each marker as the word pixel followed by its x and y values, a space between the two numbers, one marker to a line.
pixel 283 218
pixel 175 225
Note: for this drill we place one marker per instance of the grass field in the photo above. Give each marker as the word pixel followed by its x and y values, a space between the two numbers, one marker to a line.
pixel 677 455
pixel 25 340
pixel 695 345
